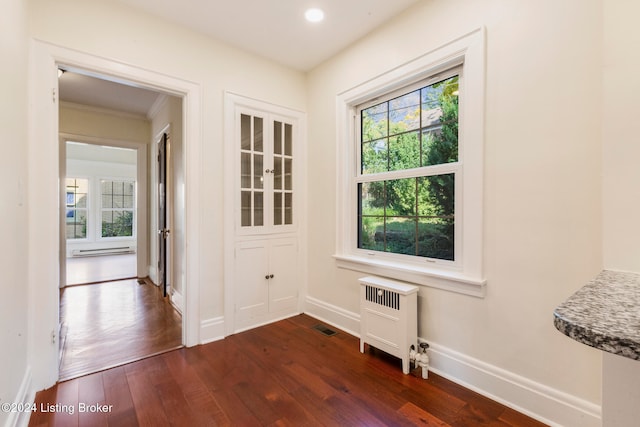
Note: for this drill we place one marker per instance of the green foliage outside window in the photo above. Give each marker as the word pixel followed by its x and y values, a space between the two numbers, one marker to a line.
pixel 413 216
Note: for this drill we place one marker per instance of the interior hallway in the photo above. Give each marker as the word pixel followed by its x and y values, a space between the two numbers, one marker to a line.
pixel 109 323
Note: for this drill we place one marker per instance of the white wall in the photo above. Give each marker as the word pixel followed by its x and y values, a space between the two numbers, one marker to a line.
pixel 620 130
pixel 542 185
pixel 105 29
pixel 13 207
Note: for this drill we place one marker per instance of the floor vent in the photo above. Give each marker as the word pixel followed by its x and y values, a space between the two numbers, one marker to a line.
pixel 324 330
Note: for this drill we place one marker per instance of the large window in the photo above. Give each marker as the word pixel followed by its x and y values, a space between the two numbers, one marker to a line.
pixel 409 193
pixel 408 153
pixel 117 208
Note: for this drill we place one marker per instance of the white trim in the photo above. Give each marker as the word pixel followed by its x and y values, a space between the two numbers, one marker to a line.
pixel 468 51
pixel 101 110
pixel 440 279
pixel 177 300
pixel 333 315
pixel 546 404
pixel 212 330
pixel 44 232
pixel 25 396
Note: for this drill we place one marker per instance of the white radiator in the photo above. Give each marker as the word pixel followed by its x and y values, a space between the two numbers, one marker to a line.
pixel 389 317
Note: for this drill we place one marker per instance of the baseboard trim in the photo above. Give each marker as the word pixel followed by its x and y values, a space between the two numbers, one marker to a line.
pixel 541 402
pixel 25 396
pixel 333 315
pixel 177 300
pixel 544 403
pixel 211 330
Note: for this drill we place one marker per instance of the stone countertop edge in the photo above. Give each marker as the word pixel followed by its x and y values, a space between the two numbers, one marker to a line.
pixel 604 314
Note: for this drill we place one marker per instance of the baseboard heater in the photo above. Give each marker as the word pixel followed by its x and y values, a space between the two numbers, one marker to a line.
pixel 103 251
pixel 389 317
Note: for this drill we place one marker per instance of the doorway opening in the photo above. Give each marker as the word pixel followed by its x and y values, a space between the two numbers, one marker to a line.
pixel 114 308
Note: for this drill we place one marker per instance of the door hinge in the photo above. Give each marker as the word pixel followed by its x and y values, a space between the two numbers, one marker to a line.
pixel 53 95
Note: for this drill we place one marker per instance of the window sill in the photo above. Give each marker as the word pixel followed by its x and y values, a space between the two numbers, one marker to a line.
pixel 446 280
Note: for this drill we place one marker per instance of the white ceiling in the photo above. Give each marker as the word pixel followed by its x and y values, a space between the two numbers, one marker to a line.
pixel 274 29
pixel 277 29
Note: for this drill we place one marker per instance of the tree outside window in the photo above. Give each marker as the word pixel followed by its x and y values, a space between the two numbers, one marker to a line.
pixel 406 200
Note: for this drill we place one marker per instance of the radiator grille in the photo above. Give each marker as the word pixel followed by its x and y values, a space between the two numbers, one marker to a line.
pixel 383 297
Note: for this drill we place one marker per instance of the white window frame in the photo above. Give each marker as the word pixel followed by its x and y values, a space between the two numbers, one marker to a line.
pixel 87 209
pixel 465 274
pixel 101 210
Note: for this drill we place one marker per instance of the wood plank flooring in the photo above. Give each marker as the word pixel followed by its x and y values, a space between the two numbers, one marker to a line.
pixel 282 374
pixel 96 269
pixel 112 323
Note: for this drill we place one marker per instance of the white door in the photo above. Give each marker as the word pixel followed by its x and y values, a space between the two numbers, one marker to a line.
pixel 252 282
pixel 283 286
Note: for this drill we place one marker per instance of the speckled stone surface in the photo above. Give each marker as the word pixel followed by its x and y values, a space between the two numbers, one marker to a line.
pixel 604 314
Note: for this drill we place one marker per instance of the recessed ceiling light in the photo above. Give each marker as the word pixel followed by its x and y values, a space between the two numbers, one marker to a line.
pixel 314 15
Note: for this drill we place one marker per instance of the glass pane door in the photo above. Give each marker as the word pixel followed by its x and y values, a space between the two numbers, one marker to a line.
pixel 282 173
pixel 251 171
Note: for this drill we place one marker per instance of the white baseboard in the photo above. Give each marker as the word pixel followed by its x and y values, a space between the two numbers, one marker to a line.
pixel 333 315
pixel 211 330
pixel 177 300
pixel 25 396
pixel 534 399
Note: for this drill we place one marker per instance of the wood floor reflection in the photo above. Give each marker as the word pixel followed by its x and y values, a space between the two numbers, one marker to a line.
pixel 113 323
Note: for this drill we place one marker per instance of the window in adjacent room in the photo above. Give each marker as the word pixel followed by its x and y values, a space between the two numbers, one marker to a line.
pixel 76 208
pixel 117 208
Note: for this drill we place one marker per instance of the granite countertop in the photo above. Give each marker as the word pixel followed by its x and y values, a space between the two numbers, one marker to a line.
pixel 604 314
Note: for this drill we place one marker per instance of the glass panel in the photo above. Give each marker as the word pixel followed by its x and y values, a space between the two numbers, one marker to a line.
pixel 436 196
pixel 288 140
pixel 436 209
pixel 258 174
pixel 245 208
pixel 257 134
pixel 288 174
pixel 277 173
pixel 80 200
pixel 277 137
pixel 404 113
pixel 288 208
pixel 258 211
pixel 375 122
pixel 117 223
pixel 76 224
pixel 374 156
pixel 245 132
pixel 412 216
pixel 404 151
pixel 107 201
pixel 245 170
pixel 435 238
pixel 400 235
pixel 277 208
pixel 129 189
pixel 440 122
pixel 371 233
pixel 128 202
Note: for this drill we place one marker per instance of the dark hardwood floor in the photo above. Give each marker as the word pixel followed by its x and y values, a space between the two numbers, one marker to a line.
pixel 283 374
pixel 111 323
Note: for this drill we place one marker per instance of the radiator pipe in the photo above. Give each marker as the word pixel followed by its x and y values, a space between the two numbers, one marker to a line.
pixel 421 359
